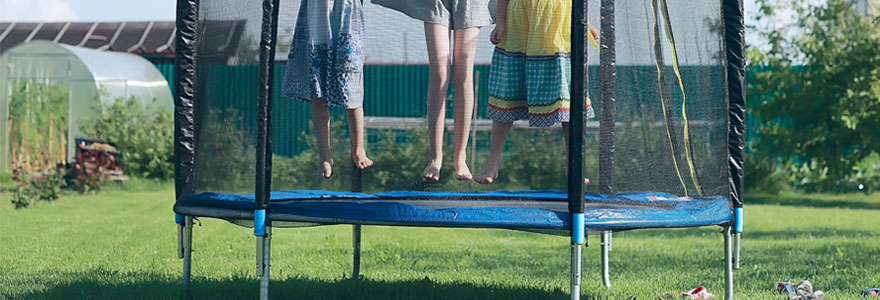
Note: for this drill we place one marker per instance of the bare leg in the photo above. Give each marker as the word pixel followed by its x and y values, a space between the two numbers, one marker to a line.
pixel 496 146
pixel 437 37
pixel 565 136
pixel 356 131
pixel 321 121
pixel 463 109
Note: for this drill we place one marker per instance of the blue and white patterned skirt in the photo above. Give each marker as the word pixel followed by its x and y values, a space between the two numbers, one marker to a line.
pixel 326 56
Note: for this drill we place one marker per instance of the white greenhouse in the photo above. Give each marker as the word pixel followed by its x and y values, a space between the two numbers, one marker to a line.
pixel 48 90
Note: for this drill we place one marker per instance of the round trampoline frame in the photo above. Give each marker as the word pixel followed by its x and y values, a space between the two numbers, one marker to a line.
pixel 184 86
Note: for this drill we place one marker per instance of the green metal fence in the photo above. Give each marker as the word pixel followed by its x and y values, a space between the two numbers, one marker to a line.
pixel 400 91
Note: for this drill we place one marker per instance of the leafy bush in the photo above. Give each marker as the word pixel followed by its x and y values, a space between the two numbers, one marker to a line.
pixel 143 132
pixel 812 178
pixel 761 175
pixel 822 107
pixel 225 153
pixel 44 186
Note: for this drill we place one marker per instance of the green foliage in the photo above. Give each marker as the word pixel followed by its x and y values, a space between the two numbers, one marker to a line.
pixel 822 109
pixel 38 125
pixel 226 154
pixel 87 182
pixel 143 132
pixel 44 186
pixel 761 175
pixel 399 157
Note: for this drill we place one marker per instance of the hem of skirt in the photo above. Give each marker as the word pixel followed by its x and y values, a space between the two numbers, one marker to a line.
pixel 509 116
pixel 327 103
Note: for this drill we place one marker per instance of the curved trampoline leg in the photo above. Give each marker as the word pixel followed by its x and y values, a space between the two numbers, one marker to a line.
pixel 356 247
pixel 263 246
pixel 728 265
pixel 606 247
pixel 186 253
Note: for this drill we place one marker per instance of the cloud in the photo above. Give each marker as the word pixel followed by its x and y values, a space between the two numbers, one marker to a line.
pixel 36 11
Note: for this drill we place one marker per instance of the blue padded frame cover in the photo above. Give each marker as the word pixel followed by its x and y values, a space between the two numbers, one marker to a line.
pixel 610 212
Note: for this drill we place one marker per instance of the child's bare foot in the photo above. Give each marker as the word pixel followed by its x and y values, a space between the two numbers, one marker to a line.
pixel 488 175
pixel 326 168
pixel 462 172
pixel 360 159
pixel 432 170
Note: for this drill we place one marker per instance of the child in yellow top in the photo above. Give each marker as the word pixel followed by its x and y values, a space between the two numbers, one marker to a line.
pixel 531 71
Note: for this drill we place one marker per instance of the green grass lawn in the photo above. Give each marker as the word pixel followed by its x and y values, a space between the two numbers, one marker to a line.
pixel 121 244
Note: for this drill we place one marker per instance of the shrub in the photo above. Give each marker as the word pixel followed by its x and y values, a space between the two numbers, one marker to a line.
pixel 44 186
pixel 143 132
pixel 761 175
pixel 225 153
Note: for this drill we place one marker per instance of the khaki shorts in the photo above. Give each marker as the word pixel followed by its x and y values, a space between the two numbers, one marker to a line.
pixel 455 14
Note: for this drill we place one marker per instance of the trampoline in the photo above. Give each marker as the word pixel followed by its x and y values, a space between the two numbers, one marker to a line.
pixel 665 151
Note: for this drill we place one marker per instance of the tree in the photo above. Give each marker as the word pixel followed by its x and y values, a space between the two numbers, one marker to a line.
pixel 821 110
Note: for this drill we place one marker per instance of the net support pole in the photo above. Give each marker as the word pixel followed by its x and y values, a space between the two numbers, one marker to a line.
pixel 263 262
pixel 356 187
pixel 576 140
pixel 608 97
pixel 578 238
pixel 606 247
pixel 736 249
pixel 185 57
pixel 186 251
pixel 263 182
pixel 185 41
pixel 578 95
pixel 180 220
pixel 356 249
pixel 728 265
pixel 734 41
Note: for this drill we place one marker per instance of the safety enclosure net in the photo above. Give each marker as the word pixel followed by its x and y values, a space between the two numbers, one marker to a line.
pixel 656 115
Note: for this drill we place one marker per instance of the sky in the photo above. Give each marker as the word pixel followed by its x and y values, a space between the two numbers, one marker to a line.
pixel 86 10
pixel 104 10
pixel 163 10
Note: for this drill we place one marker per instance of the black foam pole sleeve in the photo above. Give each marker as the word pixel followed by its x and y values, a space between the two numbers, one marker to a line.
pixel 578 96
pixel 184 96
pixel 734 38
pixel 268 36
pixel 607 98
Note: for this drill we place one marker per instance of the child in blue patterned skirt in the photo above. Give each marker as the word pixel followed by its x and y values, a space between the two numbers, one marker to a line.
pixel 325 68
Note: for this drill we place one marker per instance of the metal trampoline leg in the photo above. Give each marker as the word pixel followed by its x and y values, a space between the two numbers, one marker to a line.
pixel 578 238
pixel 186 253
pixel 606 247
pixel 728 265
pixel 736 249
pixel 576 250
pixel 263 246
pixel 356 247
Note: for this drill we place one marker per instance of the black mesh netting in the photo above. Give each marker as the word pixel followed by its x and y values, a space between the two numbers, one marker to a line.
pixel 670 118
